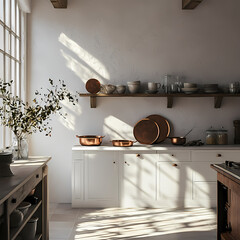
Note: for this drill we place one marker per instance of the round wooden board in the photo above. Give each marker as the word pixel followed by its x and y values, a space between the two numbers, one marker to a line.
pixel 146 131
pixel 163 125
pixel 93 86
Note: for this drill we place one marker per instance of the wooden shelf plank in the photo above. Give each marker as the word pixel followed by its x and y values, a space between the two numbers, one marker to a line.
pixel 31 211
pixel 190 4
pixel 59 3
pixel 218 97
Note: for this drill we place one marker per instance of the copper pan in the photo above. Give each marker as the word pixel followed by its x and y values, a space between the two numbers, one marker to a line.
pixel 122 143
pixel 90 140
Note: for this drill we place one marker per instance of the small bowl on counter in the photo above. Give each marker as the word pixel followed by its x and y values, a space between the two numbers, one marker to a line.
pixel 122 143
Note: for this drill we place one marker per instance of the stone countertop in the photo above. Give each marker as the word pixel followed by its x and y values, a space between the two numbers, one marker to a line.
pixel 157 147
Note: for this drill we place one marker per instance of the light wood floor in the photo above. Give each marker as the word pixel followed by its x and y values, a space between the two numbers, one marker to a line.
pixel 115 223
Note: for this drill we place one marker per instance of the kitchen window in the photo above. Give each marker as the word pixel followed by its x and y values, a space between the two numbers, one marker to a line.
pixel 12 54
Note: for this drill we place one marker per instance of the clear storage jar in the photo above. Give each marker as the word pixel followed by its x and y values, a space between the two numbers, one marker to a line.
pixel 211 137
pixel 222 137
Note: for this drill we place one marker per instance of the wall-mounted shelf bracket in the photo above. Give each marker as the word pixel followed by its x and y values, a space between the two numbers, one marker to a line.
pixel 190 4
pixel 169 102
pixel 59 3
pixel 218 101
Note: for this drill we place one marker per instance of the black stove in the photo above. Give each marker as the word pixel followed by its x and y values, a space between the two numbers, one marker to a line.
pixel 230 167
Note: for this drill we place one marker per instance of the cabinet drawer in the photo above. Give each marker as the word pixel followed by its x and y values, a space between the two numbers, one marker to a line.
pixel 140 155
pixel 23 191
pixel 77 155
pixel 215 156
pixel 174 156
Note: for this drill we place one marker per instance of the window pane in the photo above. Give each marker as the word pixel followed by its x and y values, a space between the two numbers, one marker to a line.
pixel 7 12
pixel 18 21
pixel 1 65
pixel 17 49
pixel 1 10
pixel 13 14
pixel 1 37
pixel 7 69
pixel 18 80
pixel 7 41
pixel 13 50
pixel 13 76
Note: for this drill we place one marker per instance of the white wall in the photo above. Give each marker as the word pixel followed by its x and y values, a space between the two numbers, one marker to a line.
pixel 117 41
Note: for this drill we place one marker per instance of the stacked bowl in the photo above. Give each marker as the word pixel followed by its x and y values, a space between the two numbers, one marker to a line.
pixel 134 87
pixel 210 88
pixel 189 88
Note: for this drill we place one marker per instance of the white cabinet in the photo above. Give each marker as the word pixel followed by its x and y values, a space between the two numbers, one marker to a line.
pixel 204 177
pixel 146 178
pixel 174 178
pixel 95 180
pixel 138 179
pixel 174 181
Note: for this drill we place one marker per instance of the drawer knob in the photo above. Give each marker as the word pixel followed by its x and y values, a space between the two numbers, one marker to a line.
pixel 138 155
pixel 174 165
pixel 114 162
pixel 219 155
pixel 172 155
pixel 127 163
pixel 14 200
pixel 37 176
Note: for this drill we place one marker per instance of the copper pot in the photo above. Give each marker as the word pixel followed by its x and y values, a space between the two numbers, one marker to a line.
pixel 122 143
pixel 178 140
pixel 90 140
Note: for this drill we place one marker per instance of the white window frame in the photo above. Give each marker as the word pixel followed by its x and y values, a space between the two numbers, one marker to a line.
pixel 13 57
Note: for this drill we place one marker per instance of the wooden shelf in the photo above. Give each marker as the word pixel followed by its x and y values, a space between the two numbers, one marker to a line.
pixel 31 211
pixel 218 97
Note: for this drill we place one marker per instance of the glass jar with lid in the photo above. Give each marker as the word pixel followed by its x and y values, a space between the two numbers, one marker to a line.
pixel 222 136
pixel 211 137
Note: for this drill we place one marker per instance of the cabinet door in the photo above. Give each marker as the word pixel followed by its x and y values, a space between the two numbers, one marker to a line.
pixel 174 183
pixel 138 179
pixel 101 175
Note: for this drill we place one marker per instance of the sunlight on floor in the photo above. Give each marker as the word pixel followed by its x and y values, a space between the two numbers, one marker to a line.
pixel 117 223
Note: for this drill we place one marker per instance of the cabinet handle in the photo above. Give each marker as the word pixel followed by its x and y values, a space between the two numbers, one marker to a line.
pixel 174 165
pixel 37 176
pixel 219 155
pixel 172 155
pixel 14 200
pixel 114 162
pixel 138 155
pixel 127 163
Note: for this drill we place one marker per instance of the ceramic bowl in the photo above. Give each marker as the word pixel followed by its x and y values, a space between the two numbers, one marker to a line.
pixel 189 85
pixel 108 89
pixel 133 83
pixel 23 207
pixel 120 89
pixel 133 88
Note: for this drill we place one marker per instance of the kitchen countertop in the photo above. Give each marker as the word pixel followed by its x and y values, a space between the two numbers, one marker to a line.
pixel 158 147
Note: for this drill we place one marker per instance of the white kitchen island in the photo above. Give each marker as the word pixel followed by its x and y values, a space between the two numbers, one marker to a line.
pixel 147 175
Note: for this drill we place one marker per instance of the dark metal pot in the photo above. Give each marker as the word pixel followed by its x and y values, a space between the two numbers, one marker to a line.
pixel 178 140
pixel 90 140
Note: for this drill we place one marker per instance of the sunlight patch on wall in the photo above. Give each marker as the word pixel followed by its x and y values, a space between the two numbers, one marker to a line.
pixel 87 66
pixel 70 120
pixel 117 129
